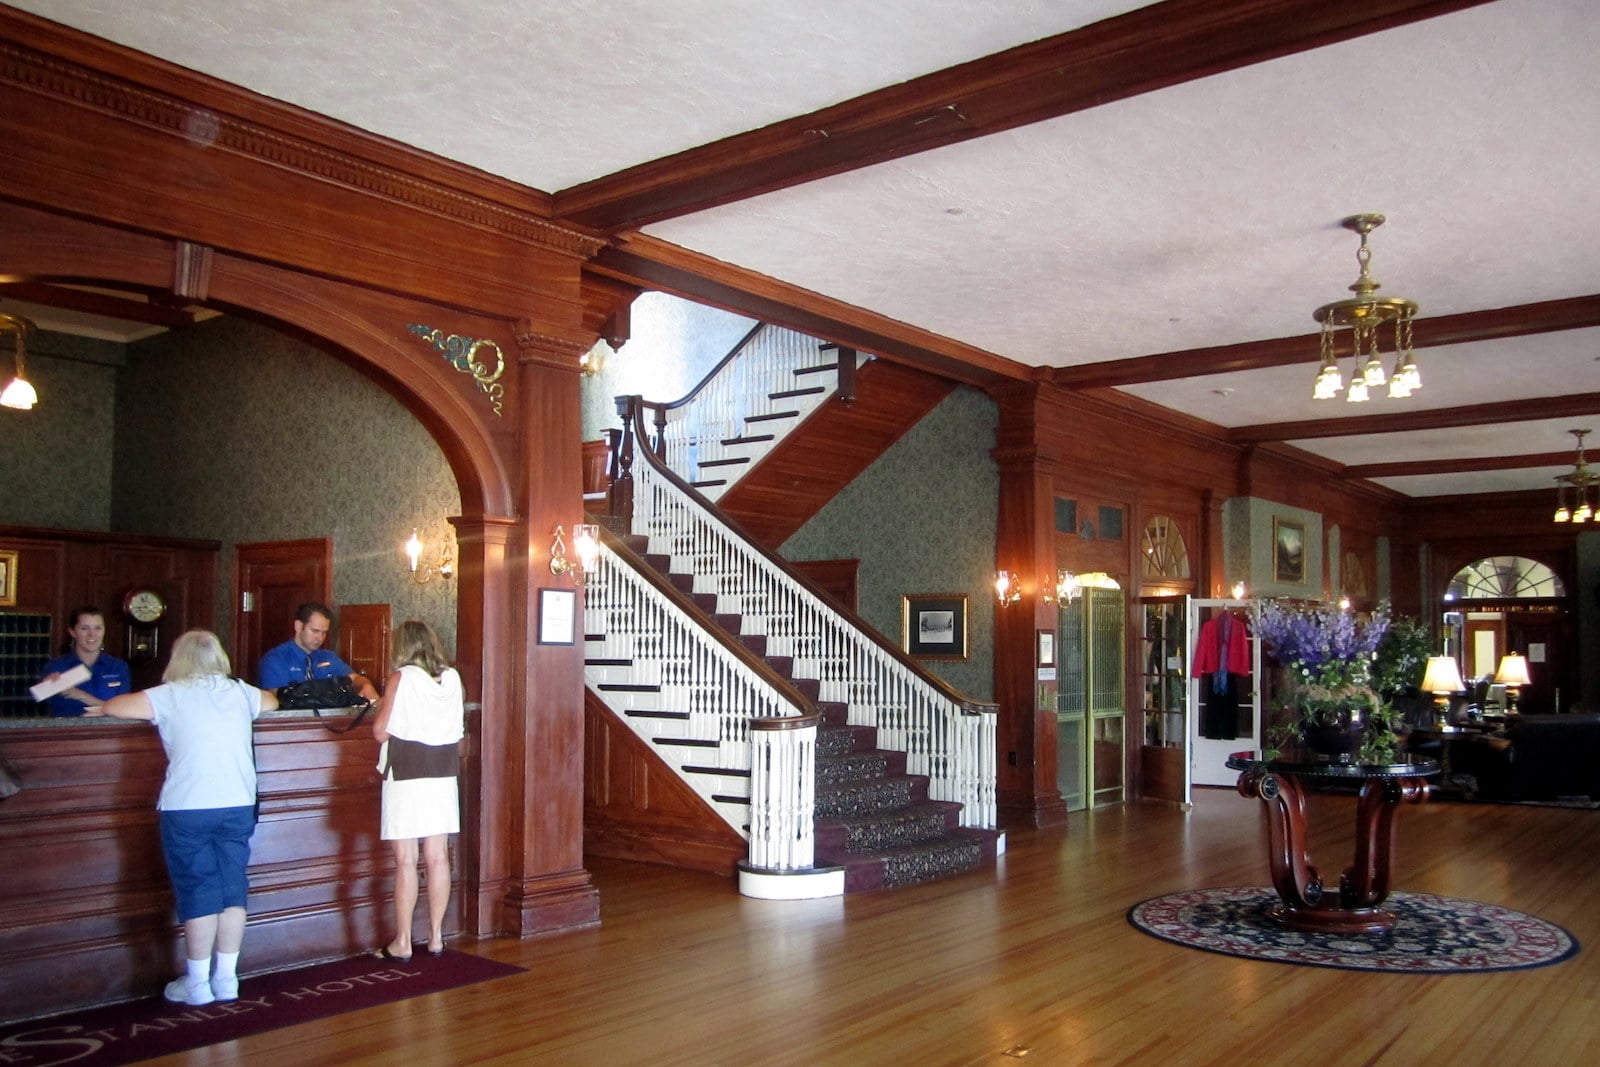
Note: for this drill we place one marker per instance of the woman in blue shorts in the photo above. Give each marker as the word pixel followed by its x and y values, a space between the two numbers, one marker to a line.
pixel 207 804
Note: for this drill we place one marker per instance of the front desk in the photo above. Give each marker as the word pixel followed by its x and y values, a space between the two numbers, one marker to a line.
pixel 88 915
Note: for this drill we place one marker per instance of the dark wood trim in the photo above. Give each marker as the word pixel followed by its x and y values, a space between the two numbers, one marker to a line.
pixel 94 303
pixel 1152 48
pixel 1499 411
pixel 1456 466
pixel 1573 313
pixel 652 264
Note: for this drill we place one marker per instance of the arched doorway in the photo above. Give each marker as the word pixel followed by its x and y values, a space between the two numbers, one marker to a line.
pixel 1503 604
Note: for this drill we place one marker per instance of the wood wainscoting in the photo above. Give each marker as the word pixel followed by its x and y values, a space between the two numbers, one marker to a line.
pixel 88 914
pixel 636 808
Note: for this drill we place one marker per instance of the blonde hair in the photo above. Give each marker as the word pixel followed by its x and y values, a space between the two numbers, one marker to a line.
pixel 416 644
pixel 196 654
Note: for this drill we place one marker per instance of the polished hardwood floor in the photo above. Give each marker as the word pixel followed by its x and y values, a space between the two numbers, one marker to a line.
pixel 1033 962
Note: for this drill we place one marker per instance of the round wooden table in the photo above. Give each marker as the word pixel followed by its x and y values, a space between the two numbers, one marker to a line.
pixel 1306 905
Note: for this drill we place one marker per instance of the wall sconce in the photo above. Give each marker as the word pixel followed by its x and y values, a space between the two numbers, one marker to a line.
pixel 585 546
pixel 1064 590
pixel 1513 674
pixel 1344 603
pixel 1238 590
pixel 592 362
pixel 1006 588
pixel 19 392
pixel 423 574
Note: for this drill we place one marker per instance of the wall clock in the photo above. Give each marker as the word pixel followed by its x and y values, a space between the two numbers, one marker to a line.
pixel 144 608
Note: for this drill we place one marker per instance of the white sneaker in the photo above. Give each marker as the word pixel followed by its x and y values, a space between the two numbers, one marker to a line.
pixel 179 992
pixel 225 988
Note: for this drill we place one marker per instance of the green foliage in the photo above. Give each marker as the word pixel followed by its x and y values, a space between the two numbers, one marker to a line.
pixel 1402 656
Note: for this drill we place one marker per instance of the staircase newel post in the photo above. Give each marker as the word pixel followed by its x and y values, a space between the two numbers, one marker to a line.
pixel 621 500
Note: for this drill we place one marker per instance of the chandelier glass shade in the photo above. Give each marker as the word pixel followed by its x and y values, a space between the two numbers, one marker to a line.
pixel 1578 491
pixel 1364 316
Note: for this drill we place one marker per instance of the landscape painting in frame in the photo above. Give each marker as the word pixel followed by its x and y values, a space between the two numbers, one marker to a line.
pixel 1288 551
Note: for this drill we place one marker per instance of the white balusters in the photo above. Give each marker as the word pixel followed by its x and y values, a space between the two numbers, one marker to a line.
pixel 951 743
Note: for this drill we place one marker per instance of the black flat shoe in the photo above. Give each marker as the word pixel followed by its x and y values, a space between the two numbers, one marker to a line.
pixel 436 952
pixel 384 954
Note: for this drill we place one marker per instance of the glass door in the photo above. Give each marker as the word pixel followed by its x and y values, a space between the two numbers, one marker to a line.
pixel 1091 716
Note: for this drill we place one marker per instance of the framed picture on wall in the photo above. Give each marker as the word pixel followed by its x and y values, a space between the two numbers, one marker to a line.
pixel 8 579
pixel 934 626
pixel 558 612
pixel 1288 551
pixel 1047 648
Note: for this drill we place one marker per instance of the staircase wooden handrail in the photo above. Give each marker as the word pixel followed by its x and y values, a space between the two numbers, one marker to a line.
pixel 685 603
pixel 635 424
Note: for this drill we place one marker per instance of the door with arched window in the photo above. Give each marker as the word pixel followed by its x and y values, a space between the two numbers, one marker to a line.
pixel 1503 604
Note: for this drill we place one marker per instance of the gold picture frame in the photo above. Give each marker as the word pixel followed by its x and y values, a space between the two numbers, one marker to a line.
pixel 933 626
pixel 1288 551
pixel 8 579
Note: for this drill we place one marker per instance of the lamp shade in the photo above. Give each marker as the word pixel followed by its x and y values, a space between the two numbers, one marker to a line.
pixel 1442 676
pixel 1513 669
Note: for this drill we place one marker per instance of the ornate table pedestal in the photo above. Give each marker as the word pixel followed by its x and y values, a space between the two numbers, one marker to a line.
pixel 1356 907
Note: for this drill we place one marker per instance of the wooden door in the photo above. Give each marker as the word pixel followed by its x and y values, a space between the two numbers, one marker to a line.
pixel 271 579
pixel 1546 639
pixel 364 640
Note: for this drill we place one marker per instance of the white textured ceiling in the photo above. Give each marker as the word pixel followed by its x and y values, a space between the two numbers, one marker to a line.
pixel 1198 215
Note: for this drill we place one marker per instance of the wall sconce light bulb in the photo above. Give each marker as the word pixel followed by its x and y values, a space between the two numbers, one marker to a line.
pixel 413 548
pixel 1238 590
pixel 1006 588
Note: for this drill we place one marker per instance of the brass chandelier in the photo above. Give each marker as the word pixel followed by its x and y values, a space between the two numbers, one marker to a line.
pixel 1364 314
pixel 1577 499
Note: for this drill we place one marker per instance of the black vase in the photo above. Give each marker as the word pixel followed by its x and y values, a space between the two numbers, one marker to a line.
pixel 1335 736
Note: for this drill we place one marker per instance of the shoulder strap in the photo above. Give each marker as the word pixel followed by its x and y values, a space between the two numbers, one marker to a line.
pixel 328 723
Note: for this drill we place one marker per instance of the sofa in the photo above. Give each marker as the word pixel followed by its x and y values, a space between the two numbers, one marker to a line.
pixel 1539 757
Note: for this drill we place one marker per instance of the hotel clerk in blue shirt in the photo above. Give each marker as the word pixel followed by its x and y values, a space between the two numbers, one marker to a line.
pixel 108 675
pixel 302 657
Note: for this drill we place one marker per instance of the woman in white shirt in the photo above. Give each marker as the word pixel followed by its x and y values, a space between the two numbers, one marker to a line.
pixel 421 720
pixel 208 804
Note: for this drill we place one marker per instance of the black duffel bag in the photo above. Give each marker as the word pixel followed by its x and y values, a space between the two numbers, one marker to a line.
pixel 320 693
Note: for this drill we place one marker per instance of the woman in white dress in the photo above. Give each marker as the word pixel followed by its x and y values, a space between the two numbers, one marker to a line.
pixel 421 720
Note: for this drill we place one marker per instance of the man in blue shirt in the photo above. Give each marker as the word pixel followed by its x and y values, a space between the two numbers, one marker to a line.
pixel 108 675
pixel 303 656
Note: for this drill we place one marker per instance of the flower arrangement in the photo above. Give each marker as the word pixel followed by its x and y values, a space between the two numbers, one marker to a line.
pixel 1329 655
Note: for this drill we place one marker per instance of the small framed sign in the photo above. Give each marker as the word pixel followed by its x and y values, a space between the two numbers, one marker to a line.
pixel 8 579
pixel 558 616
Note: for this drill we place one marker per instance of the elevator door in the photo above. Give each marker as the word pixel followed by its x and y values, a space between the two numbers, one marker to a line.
pixel 1091 716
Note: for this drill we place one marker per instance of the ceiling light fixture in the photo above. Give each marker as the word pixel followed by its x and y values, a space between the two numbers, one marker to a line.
pixel 1364 313
pixel 1577 499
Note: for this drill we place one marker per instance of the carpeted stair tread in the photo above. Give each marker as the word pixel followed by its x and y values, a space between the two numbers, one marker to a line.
pixel 851 767
pixel 912 824
pixel 881 794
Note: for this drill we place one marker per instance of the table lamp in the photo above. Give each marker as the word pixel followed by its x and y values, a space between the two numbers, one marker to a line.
pixel 1442 678
pixel 1513 674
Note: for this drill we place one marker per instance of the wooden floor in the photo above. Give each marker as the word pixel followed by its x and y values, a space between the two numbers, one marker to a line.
pixel 1034 956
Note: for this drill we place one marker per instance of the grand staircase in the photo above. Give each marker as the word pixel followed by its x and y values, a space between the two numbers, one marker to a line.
pixel 735 702
pixel 872 818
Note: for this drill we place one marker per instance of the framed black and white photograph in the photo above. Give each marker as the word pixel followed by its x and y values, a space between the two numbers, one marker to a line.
pixel 934 626
pixel 1288 551
pixel 558 613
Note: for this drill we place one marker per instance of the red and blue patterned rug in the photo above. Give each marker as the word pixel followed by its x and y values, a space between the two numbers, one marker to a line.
pixel 1433 935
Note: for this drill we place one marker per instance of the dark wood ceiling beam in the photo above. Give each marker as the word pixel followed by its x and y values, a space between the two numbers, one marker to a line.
pixel 1409 468
pixel 1144 50
pixel 1493 413
pixel 652 264
pixel 112 307
pixel 1572 313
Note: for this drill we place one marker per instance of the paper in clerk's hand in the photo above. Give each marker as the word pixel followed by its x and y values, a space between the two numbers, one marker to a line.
pixel 68 679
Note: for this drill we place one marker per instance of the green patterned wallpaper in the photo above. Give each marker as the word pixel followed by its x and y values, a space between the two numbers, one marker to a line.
pixel 55 465
pixel 236 432
pixel 921 520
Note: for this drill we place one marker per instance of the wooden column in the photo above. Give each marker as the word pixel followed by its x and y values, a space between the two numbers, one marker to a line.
pixel 548 888
pixel 1024 545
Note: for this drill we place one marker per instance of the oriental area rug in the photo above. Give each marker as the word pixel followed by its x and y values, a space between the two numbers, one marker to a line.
pixel 141 1029
pixel 1433 935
